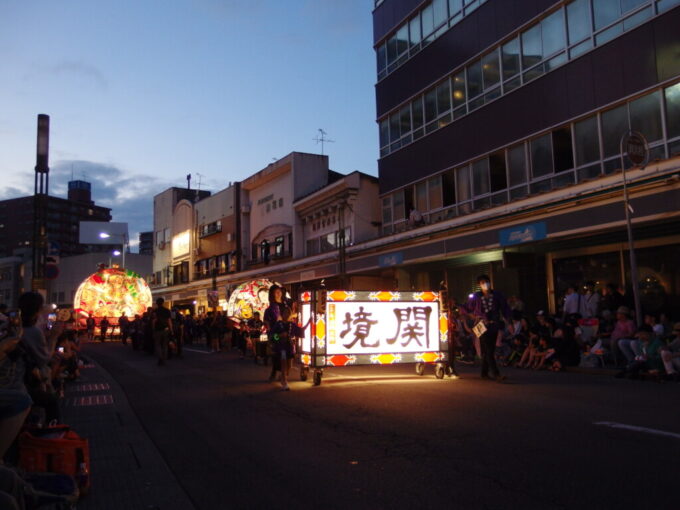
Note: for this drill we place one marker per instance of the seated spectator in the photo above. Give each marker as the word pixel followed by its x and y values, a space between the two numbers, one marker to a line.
pixel 15 403
pixel 567 349
pixel 670 355
pixel 543 353
pixel 657 328
pixel 529 351
pixel 649 359
pixel 624 328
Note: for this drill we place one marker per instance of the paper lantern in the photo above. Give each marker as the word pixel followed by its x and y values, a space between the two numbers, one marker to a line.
pixel 112 292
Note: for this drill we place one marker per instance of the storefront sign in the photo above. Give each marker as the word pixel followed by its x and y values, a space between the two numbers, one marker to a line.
pixel 523 234
pixel 392 259
pixel 180 244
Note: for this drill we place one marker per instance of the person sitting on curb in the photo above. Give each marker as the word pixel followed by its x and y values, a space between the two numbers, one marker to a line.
pixel 670 355
pixel 649 359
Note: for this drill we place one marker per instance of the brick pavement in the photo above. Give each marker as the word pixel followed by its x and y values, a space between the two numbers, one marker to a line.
pixel 127 472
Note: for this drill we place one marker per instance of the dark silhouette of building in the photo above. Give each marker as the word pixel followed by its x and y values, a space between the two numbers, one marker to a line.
pixel 146 243
pixel 63 219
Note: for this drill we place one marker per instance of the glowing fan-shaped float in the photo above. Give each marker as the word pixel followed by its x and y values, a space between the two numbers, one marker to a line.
pixel 248 298
pixel 112 292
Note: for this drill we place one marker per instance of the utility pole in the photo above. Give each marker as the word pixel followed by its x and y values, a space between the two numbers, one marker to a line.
pixel 341 244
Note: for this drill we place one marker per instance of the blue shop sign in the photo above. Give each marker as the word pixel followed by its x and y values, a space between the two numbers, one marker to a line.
pixel 523 233
pixel 393 259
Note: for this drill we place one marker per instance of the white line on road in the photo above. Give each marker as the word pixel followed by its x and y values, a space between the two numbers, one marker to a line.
pixel 197 350
pixel 656 432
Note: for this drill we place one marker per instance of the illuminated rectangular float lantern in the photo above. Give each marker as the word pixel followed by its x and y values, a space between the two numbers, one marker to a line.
pixel 372 328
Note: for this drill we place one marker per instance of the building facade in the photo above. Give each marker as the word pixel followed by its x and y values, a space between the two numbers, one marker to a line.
pixel 173 219
pixel 291 222
pixel 499 125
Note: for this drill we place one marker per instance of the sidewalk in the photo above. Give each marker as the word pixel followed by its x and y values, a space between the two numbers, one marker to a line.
pixel 127 471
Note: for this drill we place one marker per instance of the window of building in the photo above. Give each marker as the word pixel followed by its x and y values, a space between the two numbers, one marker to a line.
pixel 312 247
pixel 491 72
pixel 587 141
pixel 459 96
pixel 449 188
pixel 278 246
pixel 327 242
pixel 430 105
pixel 672 95
pixel 614 124
pixel 463 183
pixel 497 171
pixel 398 203
pixel 480 177
pixel 474 79
pixel 417 117
pixel 434 191
pixel 387 210
pixel 541 156
pixel 563 154
pixel 510 56
pixel 414 31
pixel 645 116
pixel 517 165
pixel 421 196
pixel 578 21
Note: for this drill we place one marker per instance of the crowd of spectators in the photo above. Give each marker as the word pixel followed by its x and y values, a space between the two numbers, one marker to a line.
pixel 594 328
pixel 36 359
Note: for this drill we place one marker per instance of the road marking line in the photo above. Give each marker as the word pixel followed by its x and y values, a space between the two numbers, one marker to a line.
pixel 656 432
pixel 196 350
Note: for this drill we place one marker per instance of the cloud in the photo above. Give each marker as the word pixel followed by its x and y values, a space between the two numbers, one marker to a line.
pixel 129 196
pixel 71 69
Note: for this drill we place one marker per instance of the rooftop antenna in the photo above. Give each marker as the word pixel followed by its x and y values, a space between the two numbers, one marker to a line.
pixel 321 139
pixel 71 171
pixel 200 176
pixel 188 181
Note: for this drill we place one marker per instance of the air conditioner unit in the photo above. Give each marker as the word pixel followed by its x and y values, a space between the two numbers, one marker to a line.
pixel 161 245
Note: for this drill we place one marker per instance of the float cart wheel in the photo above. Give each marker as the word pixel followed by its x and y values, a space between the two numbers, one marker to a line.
pixel 304 373
pixel 420 368
pixel 317 377
pixel 439 371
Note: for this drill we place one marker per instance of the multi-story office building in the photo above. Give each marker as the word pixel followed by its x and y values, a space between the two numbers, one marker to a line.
pixel 63 219
pixel 499 125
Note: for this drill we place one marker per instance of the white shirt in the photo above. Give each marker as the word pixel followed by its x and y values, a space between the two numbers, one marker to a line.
pixel 572 303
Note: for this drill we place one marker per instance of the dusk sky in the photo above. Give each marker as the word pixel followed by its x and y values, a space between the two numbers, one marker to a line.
pixel 142 92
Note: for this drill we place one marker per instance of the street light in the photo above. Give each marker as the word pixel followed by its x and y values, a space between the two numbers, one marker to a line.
pixel 123 237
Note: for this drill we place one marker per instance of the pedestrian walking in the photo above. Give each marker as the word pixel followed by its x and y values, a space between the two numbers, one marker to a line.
pixel 89 325
pixel 489 308
pixel 162 329
pixel 124 328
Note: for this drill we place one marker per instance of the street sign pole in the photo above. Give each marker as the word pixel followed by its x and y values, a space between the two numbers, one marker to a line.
pixel 635 145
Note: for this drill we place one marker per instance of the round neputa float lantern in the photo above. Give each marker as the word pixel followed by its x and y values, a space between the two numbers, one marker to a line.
pixel 112 292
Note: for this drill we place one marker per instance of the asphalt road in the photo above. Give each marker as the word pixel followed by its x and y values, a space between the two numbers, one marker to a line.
pixel 382 437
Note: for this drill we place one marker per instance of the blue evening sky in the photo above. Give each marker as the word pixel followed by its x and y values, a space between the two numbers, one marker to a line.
pixel 142 92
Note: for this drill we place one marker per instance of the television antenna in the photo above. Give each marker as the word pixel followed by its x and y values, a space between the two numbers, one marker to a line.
pixel 321 139
pixel 200 176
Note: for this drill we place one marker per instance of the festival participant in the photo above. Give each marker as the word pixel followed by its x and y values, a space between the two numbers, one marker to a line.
pixel 162 330
pixel 272 315
pixel 255 326
pixel 489 308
